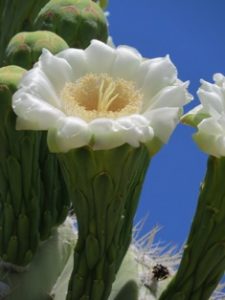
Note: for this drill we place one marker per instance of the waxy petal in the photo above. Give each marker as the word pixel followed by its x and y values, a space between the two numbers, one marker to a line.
pixel 77 60
pixel 163 121
pixel 56 69
pixel 69 133
pixel 100 57
pixel 37 112
pixel 42 102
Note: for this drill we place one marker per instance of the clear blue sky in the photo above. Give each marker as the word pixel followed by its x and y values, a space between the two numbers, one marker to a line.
pixel 193 33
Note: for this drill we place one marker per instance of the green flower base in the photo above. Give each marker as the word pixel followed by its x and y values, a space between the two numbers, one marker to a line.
pixel 104 187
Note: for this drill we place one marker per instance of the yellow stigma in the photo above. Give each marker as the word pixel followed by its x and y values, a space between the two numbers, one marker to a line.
pixel 99 95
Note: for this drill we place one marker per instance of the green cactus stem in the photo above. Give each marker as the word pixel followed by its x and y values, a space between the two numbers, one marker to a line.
pixel 33 196
pixel 77 22
pixel 25 48
pixel 104 187
pixel 38 279
pixel 16 16
pixel 203 261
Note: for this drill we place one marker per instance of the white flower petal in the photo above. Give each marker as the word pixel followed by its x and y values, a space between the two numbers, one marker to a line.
pixel 56 69
pixel 210 126
pixel 105 134
pixel 219 79
pixel 37 83
pixel 37 112
pixel 129 131
pixel 136 129
pixel 170 96
pixel 163 121
pixel 39 105
pixel 126 63
pixel 69 133
pixel 160 73
pixel 131 49
pixel 143 72
pixel 212 102
pixel 100 57
pixel 211 144
pixel 76 58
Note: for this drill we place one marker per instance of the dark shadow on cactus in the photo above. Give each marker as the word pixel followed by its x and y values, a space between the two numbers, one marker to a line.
pixel 128 292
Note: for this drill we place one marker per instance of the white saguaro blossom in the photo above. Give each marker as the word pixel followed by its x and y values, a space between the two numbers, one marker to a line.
pixel 209 116
pixel 100 96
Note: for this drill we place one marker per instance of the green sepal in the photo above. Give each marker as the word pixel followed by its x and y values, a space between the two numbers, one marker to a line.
pixel 27 157
pixel 23 235
pixel 12 249
pixel 194 119
pixel 154 146
pixel 79 283
pixel 97 289
pixel 92 251
pixel 81 208
pixel 103 189
pixel 15 178
pixel 8 223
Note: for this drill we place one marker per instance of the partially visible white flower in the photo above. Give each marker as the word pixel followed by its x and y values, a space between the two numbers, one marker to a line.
pixel 209 117
pixel 102 97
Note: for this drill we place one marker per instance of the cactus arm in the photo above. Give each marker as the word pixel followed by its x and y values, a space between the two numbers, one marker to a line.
pixel 203 261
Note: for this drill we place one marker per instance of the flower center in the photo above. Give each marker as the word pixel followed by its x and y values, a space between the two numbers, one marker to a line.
pixel 99 95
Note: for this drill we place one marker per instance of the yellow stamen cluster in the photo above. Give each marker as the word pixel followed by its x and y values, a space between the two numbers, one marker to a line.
pixel 99 95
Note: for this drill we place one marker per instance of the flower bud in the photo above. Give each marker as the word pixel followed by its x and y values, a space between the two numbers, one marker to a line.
pixel 78 22
pixel 25 48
